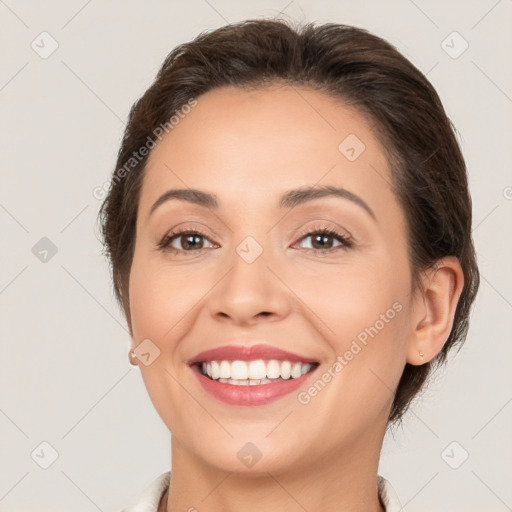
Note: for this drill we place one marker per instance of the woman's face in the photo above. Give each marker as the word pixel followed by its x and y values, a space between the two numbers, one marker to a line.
pixel 262 273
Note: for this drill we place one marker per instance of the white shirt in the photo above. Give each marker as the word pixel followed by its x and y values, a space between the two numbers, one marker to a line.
pixel 149 499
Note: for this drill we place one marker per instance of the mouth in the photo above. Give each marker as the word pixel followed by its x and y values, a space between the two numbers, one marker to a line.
pixel 254 375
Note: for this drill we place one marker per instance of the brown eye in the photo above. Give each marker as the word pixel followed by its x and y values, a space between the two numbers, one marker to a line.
pixel 321 241
pixel 184 241
pixel 326 240
pixel 191 241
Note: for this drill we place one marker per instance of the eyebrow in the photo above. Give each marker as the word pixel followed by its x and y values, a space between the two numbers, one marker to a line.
pixel 290 199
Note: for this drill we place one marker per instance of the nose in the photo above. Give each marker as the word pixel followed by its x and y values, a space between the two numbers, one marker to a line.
pixel 249 293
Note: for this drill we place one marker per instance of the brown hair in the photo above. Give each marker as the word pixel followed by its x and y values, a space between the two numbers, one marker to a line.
pixel 349 63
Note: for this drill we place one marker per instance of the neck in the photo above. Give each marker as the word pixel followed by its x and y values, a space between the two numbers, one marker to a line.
pixel 345 480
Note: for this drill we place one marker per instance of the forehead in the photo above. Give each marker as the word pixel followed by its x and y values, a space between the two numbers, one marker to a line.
pixel 251 145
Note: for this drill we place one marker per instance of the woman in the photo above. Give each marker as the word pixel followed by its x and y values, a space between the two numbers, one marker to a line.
pixel 289 228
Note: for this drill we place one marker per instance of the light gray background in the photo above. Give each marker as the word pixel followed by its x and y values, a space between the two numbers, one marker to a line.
pixel 65 377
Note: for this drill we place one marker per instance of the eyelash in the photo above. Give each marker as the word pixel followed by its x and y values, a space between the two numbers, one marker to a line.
pixel 345 241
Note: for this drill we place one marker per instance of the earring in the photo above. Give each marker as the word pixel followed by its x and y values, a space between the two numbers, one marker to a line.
pixel 421 354
pixel 133 358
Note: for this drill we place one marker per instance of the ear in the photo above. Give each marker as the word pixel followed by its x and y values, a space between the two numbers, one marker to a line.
pixel 434 310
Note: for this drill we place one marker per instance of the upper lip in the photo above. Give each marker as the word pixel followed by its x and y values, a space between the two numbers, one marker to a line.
pixel 248 353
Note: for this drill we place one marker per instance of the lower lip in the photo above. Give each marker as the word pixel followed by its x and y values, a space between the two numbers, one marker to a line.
pixel 259 394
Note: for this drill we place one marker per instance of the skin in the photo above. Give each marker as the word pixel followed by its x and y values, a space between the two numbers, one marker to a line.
pixel 248 148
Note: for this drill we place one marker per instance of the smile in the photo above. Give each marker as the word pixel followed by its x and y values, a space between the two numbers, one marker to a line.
pixel 253 373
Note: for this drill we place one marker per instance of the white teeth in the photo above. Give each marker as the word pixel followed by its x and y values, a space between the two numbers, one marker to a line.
pixel 247 382
pixel 215 370
pixel 239 370
pixel 257 369
pixel 296 373
pixel 225 370
pixel 252 373
pixel 305 368
pixel 273 369
pixel 286 368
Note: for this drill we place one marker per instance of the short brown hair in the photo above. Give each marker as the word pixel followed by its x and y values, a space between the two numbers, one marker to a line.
pixel 345 62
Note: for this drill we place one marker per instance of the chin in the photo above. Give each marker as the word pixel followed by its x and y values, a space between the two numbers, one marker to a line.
pixel 254 458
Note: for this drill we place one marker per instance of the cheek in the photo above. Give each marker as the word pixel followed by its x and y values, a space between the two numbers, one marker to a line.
pixel 356 387
pixel 157 299
pixel 348 299
pixel 158 306
pixel 364 314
